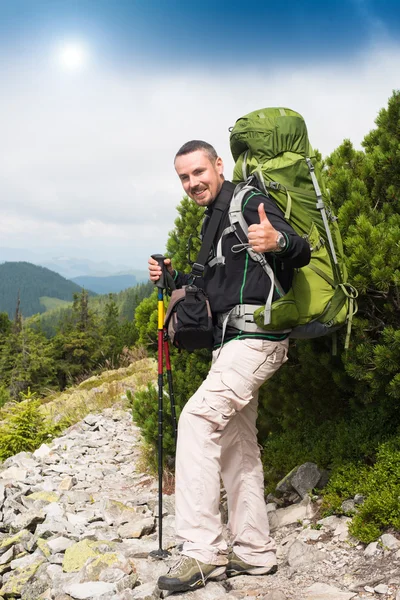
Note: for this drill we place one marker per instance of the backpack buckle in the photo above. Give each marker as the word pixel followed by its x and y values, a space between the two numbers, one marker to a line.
pixel 197 269
pixel 274 185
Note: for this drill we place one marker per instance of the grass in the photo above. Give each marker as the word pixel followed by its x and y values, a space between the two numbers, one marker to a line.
pixel 98 392
pixel 50 303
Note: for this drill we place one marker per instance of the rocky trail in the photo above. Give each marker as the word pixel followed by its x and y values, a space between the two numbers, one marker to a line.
pixel 78 520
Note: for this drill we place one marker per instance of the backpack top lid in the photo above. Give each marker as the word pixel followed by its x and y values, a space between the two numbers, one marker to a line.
pixel 268 132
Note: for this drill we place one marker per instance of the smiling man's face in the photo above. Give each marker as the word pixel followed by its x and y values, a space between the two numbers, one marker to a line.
pixel 201 177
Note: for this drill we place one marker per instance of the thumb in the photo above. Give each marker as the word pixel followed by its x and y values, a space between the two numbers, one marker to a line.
pixel 261 213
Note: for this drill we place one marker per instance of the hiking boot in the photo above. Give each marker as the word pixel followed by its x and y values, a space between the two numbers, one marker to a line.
pixel 189 574
pixel 237 566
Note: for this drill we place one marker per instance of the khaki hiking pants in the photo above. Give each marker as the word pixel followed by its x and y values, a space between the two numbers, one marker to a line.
pixel 217 438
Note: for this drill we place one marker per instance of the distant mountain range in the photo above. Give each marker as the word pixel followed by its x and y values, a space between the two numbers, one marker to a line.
pixel 70 267
pixel 107 285
pixel 38 288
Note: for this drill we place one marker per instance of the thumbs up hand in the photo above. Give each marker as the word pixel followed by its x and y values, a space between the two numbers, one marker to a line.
pixel 263 236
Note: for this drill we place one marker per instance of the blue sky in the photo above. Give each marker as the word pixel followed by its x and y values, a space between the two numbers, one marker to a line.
pixel 202 32
pixel 88 150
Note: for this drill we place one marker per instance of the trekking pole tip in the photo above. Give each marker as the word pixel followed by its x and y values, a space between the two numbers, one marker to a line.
pixel 159 554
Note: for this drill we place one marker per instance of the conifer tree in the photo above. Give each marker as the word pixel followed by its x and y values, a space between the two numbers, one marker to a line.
pixel 317 406
pixel 77 345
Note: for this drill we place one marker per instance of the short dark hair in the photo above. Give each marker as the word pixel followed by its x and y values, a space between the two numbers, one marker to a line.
pixel 195 145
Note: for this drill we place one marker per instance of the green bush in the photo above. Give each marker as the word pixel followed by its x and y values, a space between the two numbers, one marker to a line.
pixel 379 483
pixel 24 429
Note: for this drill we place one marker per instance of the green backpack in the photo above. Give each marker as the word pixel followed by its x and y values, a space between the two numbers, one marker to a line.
pixel 273 145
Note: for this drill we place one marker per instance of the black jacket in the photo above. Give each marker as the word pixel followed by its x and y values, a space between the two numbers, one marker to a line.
pixel 241 280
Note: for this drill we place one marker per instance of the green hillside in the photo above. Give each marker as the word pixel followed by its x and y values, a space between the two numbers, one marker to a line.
pixel 125 301
pixel 32 283
pixel 52 303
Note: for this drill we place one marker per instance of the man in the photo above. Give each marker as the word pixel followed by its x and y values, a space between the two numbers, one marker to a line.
pixel 217 435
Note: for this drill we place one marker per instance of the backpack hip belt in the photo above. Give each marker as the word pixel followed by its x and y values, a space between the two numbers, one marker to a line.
pixel 241 317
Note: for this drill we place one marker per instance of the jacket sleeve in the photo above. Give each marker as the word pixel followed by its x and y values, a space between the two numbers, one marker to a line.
pixel 297 252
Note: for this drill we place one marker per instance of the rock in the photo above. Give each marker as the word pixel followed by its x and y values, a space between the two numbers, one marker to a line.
pixel 129 581
pixel 274 595
pixel 54 510
pixel 389 541
pixel 137 527
pixel 301 554
pixel 51 526
pixel 381 589
pixel 23 537
pixel 94 589
pixel 322 591
pixel 148 591
pixel 330 522
pixel 42 452
pixel 348 506
pixel 95 566
pixel 111 575
pixel 310 535
pixel 305 478
pixel 45 496
pixel 27 520
pixel 359 499
pixel 371 549
pixel 117 513
pixel 59 544
pixel 77 555
pixel 290 514
pixel 67 483
pixel 37 589
pixel 301 479
pixel 16 582
pixel 44 547
pixel 342 529
pixel 7 556
pixel 25 561
pixel 91 419
pixel 15 474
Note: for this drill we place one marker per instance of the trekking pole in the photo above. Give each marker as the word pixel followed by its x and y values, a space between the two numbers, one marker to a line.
pixel 170 387
pixel 160 284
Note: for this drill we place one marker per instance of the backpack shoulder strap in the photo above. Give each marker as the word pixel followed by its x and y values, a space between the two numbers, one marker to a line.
pixel 220 205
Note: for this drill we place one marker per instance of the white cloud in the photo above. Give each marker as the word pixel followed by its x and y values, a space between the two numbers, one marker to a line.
pixel 88 159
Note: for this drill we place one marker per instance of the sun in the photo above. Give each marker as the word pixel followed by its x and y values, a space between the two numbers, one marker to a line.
pixel 72 56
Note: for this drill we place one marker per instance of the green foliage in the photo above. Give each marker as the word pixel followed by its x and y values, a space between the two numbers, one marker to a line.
pixel 126 302
pixel 146 322
pixel 5 326
pixel 26 360
pixel 24 428
pixel 379 483
pixel 4 395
